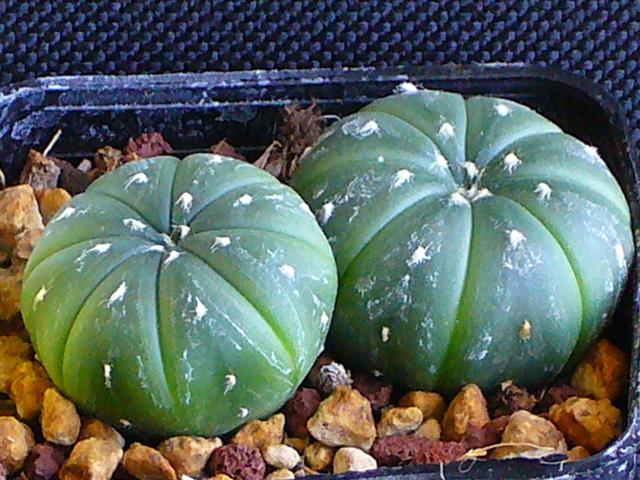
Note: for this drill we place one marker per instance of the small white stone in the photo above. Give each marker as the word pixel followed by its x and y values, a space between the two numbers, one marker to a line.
pixel 350 459
pixel 502 109
pixel 220 242
pixel 118 294
pixel 516 238
pixel 406 87
pixel 281 456
pixel 418 256
pixel 185 201
pixel 134 224
pixel 106 370
pixel 244 199
pixel 138 179
pixel 230 381
pixel 511 162
pixel 40 296
pixel 400 178
pixel 287 270
pixel 447 130
pixel 325 213
pixel 384 334
pixel 543 191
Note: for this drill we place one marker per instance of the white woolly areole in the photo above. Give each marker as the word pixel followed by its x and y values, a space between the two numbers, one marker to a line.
pixel 418 256
pixel 384 334
pixel 516 238
pixel 139 178
pixel 483 193
pixel 353 128
pixel 406 87
pixel 502 109
pixel 173 254
pixel 457 198
pixel 118 294
pixel 325 212
pixel 155 248
pixel 200 310
pixel 66 213
pixel 184 230
pixel 287 270
pixel 401 177
pixel 592 150
pixel 243 412
pixel 185 201
pixel 220 242
pixel 245 199
pixel 511 162
pixel 230 381
pixel 376 373
pixel 40 296
pixel 620 257
pixel 542 191
pixel 441 162
pixel 324 319
pixel 106 371
pixel 471 169
pixel 446 130
pixel 134 224
pixel 380 159
pixel 215 158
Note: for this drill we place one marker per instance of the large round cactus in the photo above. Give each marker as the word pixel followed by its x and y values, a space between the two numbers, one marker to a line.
pixel 475 241
pixel 181 296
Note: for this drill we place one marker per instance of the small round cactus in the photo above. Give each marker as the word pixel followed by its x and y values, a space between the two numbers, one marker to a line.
pixel 172 298
pixel 475 241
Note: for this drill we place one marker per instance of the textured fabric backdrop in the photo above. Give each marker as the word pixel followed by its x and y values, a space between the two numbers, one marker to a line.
pixel 598 39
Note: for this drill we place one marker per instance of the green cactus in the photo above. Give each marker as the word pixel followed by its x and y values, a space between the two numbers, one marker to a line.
pixel 172 298
pixel 475 241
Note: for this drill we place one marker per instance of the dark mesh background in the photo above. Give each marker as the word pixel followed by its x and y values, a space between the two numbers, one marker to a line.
pixel 597 39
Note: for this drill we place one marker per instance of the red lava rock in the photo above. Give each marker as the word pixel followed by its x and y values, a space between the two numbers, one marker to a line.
pixel 238 461
pixel 44 461
pixel 409 450
pixel 557 395
pixel 225 149
pixel 377 392
pixel 145 146
pixel 301 408
pixel 489 434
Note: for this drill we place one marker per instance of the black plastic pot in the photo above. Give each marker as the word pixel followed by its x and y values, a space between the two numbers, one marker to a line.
pixel 194 111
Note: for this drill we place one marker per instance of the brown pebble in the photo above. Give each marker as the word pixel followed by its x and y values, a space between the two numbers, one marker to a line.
pixel 344 419
pixel 593 424
pixel 94 428
pixel 260 434
pixel 188 455
pixel 602 373
pixel 29 383
pixel 431 404
pixel 525 427
pixel 50 201
pixel 16 441
pixel 429 429
pixel 399 420
pixel 349 459
pixel 577 453
pixel 468 408
pixel 91 459
pixel 146 463
pixel 318 457
pixel 60 420
pixel 13 351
